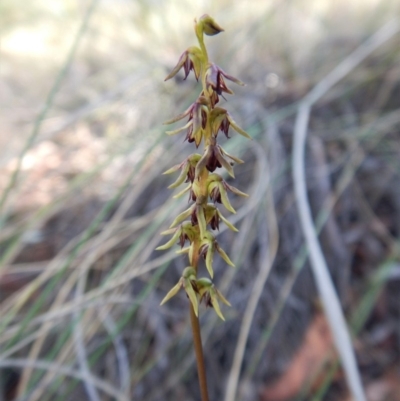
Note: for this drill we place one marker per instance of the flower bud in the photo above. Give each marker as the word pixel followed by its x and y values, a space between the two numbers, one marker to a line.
pixel 210 27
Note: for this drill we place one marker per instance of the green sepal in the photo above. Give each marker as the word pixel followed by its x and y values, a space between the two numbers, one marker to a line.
pixel 171 242
pixel 221 297
pixel 225 164
pixel 215 304
pixel 225 199
pixel 172 292
pixel 237 81
pixel 181 178
pixel 239 130
pixel 236 191
pixel 224 255
pixel 182 216
pixel 168 232
pixel 183 250
pixel 179 194
pixel 209 259
pixel 174 132
pixel 173 169
pixel 209 242
pixel 227 223
pixel 192 295
pixel 190 253
pixel 179 117
pixel 234 158
pixel 196 188
pixel 197 61
pixel 196 56
pixel 201 221
pixel 202 162
pixel 198 135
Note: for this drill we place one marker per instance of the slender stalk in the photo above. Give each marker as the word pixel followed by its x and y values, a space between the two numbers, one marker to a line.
pixel 198 349
pixel 205 121
pixel 198 345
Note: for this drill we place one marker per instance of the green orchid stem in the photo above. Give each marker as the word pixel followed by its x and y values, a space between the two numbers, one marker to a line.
pixel 199 34
pixel 198 349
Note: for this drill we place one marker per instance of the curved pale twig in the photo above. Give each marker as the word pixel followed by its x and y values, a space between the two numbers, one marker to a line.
pixel 319 267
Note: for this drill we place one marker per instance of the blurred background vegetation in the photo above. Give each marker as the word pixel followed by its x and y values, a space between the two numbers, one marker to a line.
pixel 82 200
